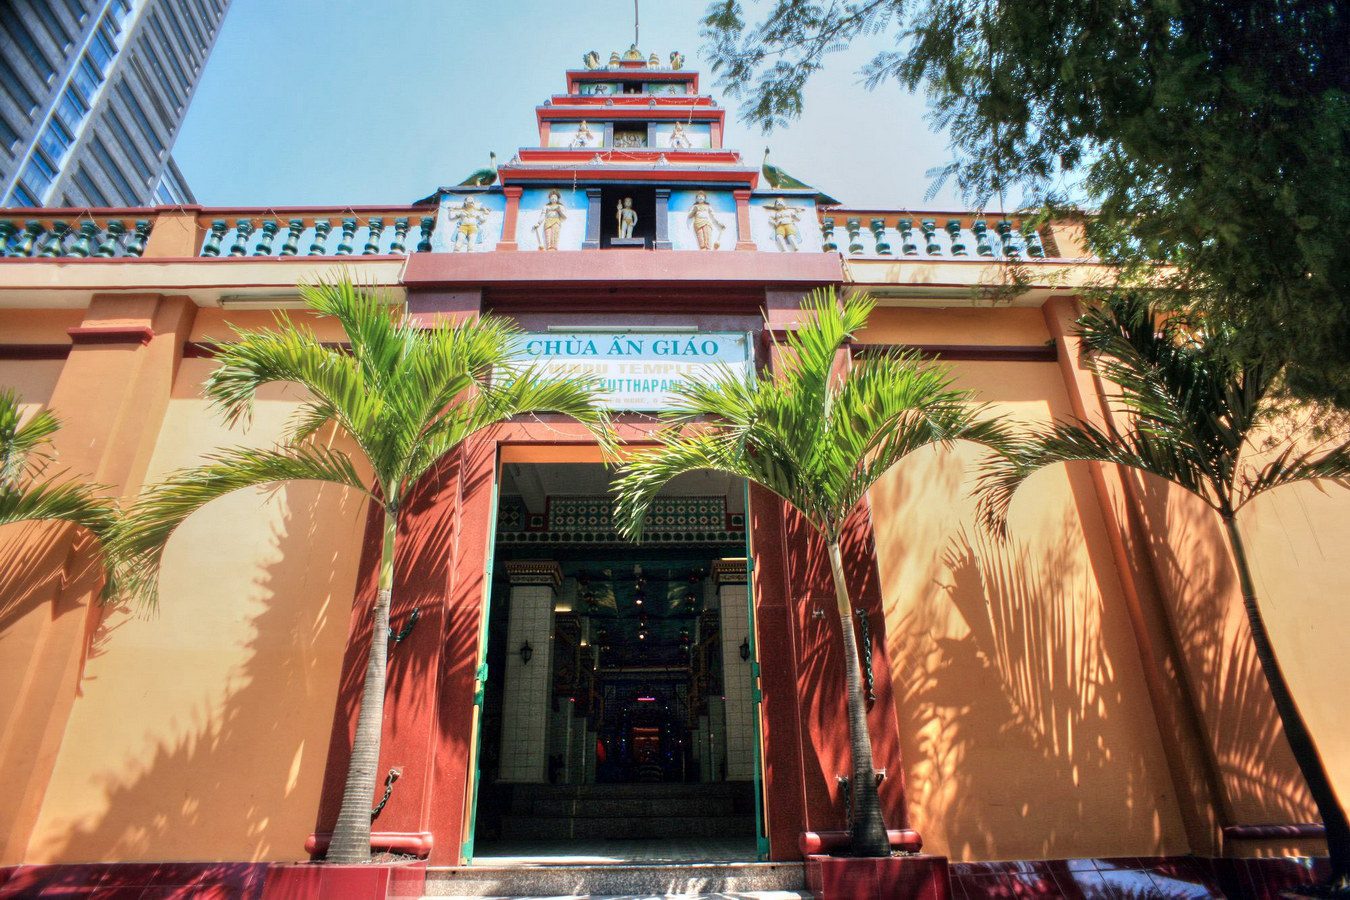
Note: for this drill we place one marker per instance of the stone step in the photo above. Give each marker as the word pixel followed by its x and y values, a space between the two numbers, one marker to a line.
pixel 636 879
pixel 542 828
pixel 659 789
pixel 624 807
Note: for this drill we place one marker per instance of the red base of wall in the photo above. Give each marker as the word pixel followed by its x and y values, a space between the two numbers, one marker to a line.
pixel 312 881
pixel 896 878
pixel 215 881
pixel 916 877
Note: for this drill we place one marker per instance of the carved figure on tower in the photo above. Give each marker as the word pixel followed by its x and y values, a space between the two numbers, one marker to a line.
pixel 678 139
pixel 633 54
pixel 676 60
pixel 469 217
pixel 550 222
pixel 653 62
pixel 583 138
pixel 591 60
pixel 703 219
pixel 614 60
pixel 626 217
pixel 784 220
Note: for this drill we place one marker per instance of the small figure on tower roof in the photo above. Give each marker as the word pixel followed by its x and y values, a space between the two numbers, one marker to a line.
pixel 591 60
pixel 676 60
pixel 633 54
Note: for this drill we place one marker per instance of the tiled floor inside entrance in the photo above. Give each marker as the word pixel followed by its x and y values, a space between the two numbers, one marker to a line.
pixel 617 852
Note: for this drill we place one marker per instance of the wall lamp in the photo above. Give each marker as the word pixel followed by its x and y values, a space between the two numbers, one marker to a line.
pixel 526 652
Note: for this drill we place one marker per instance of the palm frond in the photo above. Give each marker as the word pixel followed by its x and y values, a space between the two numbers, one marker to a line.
pixel 814 432
pixel 138 540
pixel 1292 466
pixel 58 501
pixel 1142 450
pixel 22 443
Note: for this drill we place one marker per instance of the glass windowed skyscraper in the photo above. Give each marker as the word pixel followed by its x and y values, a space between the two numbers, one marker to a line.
pixel 92 94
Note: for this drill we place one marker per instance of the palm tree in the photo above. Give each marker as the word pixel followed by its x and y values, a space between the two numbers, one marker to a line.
pixel 818 437
pixel 1196 414
pixel 26 494
pixel 406 397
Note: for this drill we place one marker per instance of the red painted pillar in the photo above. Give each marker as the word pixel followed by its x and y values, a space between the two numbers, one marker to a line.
pixel 743 239
pixel 508 241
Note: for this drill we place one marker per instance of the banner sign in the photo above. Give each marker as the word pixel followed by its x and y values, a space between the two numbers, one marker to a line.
pixel 638 370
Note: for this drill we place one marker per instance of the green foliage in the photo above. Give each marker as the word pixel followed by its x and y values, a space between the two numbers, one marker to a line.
pixel 815 436
pixel 26 494
pixel 1196 416
pixel 404 395
pixel 1209 134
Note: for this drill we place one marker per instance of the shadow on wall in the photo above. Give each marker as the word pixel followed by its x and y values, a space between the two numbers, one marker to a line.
pixel 239 778
pixel 1255 763
pixel 1016 719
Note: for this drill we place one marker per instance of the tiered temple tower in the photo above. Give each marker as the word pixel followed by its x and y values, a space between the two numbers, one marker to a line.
pixel 631 156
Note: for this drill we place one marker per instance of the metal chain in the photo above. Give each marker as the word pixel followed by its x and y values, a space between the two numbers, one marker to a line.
pixel 407 626
pixel 388 791
pixel 867 654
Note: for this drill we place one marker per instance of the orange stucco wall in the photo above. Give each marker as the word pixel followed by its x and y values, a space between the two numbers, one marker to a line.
pixel 201 729
pixel 1296 538
pixel 1026 725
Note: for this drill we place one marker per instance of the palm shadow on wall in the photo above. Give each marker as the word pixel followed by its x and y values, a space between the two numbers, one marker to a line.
pixel 1255 764
pixel 1012 728
pixel 242 771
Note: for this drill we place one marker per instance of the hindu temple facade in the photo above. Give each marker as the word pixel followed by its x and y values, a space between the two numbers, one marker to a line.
pixel 1080 691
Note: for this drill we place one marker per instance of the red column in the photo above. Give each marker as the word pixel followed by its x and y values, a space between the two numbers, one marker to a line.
pixel 508 241
pixel 743 239
pixel 430 720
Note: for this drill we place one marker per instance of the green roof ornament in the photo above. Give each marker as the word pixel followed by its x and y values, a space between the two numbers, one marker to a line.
pixel 781 180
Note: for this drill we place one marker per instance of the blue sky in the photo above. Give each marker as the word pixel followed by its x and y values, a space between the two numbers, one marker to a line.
pixel 347 102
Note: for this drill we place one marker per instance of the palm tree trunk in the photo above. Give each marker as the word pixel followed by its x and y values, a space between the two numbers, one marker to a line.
pixel 1295 730
pixel 351 835
pixel 867 826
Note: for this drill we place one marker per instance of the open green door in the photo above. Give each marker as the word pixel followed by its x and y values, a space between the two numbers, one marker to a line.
pixel 481 675
pixel 756 695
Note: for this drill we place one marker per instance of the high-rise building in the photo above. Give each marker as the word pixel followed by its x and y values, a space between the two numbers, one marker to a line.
pixel 92 94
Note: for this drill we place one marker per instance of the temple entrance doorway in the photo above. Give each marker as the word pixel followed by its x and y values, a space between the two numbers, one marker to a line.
pixel 619 721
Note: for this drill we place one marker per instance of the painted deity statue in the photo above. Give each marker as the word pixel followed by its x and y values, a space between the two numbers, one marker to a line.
pixel 583 138
pixel 676 60
pixel 784 220
pixel 626 217
pixel 591 60
pixel 703 219
pixel 469 218
pixel 633 53
pixel 551 217
pixel 679 140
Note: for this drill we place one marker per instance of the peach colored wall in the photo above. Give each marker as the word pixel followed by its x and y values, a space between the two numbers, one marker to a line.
pixel 1010 326
pixel 213 324
pixel 1026 724
pixel 201 729
pixel 1296 538
pixel 38 326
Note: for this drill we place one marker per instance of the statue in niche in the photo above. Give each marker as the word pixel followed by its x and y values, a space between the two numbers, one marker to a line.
pixel 633 54
pixel 548 227
pixel 583 138
pixel 678 139
pixel 626 217
pixel 469 218
pixel 703 219
pixel 676 60
pixel 784 220
pixel 633 138
pixel 591 60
